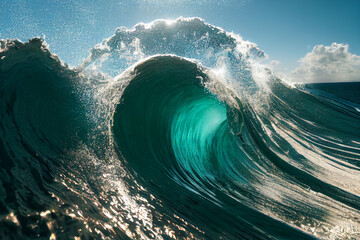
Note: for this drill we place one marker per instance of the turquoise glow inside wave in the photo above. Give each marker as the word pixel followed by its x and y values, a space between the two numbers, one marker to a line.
pixel 193 129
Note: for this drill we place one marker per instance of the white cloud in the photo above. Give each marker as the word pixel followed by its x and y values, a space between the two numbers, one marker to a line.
pixel 328 64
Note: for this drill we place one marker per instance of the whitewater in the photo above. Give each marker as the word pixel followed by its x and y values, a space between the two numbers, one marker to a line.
pixel 173 130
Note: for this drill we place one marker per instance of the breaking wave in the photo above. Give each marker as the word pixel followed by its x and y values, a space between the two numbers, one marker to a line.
pixel 172 130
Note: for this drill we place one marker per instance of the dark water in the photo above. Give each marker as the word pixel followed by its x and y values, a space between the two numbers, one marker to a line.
pixel 347 91
pixel 172 147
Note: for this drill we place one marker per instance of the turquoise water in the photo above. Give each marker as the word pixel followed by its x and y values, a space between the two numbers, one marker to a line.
pixel 173 138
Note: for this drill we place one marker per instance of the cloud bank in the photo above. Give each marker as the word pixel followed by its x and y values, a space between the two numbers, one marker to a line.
pixel 328 64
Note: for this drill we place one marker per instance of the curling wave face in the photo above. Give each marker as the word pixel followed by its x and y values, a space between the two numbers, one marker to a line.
pixel 185 142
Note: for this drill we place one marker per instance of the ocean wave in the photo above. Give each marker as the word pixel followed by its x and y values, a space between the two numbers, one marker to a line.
pixel 166 131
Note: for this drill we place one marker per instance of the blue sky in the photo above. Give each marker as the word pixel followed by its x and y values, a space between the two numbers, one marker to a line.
pixel 286 30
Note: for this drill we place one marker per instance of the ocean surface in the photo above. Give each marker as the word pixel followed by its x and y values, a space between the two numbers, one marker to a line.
pixel 173 130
